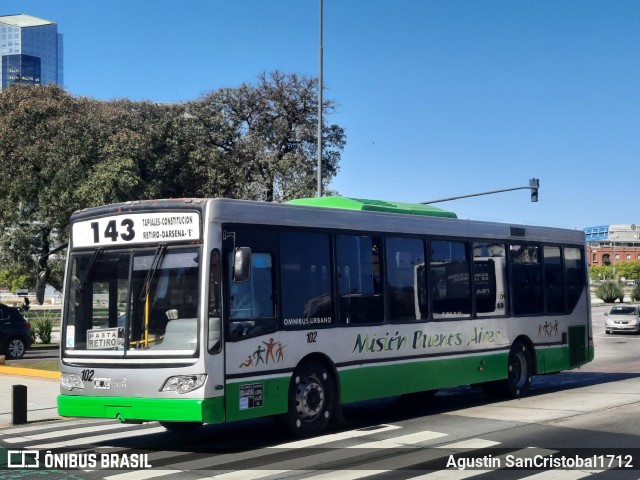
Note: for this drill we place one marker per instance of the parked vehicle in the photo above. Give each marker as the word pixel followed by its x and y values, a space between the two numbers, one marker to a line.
pixel 15 332
pixel 623 319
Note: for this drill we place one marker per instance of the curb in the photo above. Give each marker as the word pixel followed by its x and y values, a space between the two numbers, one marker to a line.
pixel 29 372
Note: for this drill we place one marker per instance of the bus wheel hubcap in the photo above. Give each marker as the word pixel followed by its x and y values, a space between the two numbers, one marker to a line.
pixel 309 398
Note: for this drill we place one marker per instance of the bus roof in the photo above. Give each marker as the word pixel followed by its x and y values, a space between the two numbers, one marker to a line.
pixel 374 206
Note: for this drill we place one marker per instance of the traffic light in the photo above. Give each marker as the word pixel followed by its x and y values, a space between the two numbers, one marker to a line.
pixel 534 184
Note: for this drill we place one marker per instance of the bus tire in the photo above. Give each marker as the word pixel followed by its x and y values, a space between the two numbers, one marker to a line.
pixel 311 399
pixel 181 426
pixel 520 370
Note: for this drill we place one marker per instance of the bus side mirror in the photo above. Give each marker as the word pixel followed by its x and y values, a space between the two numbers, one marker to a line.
pixel 41 284
pixel 241 264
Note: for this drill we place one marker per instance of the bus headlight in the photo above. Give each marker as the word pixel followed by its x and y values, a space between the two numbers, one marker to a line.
pixel 71 381
pixel 183 383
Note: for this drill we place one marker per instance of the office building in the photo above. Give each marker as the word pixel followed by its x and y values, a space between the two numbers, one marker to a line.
pixel 31 50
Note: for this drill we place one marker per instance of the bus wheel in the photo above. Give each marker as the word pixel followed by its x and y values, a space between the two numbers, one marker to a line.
pixel 311 399
pixel 181 426
pixel 520 370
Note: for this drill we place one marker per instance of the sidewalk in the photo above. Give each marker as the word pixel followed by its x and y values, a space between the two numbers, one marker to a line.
pixel 42 392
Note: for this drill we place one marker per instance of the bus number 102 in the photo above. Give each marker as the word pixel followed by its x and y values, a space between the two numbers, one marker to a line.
pixel 112 231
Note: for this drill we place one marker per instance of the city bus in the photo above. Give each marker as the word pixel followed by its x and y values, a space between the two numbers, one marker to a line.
pixel 202 311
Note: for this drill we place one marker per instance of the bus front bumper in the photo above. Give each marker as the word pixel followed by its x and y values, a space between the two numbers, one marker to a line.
pixel 208 410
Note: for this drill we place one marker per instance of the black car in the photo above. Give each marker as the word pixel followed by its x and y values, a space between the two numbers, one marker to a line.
pixel 15 332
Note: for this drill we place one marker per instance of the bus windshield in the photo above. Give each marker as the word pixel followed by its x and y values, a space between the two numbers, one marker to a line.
pixel 134 302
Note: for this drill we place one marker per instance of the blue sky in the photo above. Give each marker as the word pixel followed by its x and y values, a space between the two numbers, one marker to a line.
pixel 438 98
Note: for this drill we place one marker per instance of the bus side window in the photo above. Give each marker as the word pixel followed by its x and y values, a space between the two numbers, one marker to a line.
pixel 359 279
pixel 526 271
pixel 252 303
pixel 574 276
pixel 406 285
pixel 489 278
pixel 553 279
pixel 449 276
pixel 305 271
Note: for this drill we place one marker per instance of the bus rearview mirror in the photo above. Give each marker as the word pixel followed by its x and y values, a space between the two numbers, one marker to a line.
pixel 41 284
pixel 241 264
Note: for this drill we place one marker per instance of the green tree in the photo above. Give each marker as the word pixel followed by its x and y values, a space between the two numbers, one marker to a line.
pixel 629 270
pixel 13 278
pixel 261 139
pixel 600 272
pixel 61 153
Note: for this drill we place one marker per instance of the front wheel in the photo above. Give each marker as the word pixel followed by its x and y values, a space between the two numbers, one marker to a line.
pixel 312 398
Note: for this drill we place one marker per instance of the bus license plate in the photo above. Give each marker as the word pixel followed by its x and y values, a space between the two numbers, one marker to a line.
pixel 102 383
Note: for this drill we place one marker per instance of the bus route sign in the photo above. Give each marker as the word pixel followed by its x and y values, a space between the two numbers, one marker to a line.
pixel 137 228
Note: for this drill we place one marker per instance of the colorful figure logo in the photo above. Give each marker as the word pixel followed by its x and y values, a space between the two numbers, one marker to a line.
pixel 272 352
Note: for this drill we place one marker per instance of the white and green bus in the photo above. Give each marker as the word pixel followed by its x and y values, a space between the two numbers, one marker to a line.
pixel 212 310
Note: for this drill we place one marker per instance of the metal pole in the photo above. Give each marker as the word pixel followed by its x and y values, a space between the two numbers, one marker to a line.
pixel 534 184
pixel 320 109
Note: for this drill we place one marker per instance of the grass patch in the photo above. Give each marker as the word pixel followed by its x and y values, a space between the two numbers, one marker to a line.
pixel 50 365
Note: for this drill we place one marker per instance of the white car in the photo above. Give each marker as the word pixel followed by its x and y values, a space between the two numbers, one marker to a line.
pixel 623 319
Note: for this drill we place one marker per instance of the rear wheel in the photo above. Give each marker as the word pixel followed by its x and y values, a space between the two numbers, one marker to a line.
pixel 519 373
pixel 312 399
pixel 520 370
pixel 16 348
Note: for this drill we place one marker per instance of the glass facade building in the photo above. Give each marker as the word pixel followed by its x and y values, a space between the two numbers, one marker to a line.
pixel 31 50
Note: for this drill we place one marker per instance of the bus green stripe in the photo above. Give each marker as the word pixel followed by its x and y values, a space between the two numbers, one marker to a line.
pixel 394 379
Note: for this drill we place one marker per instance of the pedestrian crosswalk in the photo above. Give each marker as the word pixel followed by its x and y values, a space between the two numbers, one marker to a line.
pixel 376 452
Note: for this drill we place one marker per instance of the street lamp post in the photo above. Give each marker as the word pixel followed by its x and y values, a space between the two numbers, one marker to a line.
pixel 320 61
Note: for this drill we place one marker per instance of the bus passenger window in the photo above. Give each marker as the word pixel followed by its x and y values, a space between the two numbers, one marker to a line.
pixel 489 278
pixel 253 300
pixel 526 281
pixel 553 280
pixel 305 270
pixel 359 279
pixel 449 276
pixel 406 284
pixel 574 276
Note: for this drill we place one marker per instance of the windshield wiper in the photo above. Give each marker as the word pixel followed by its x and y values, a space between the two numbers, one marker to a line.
pixel 155 264
pixel 92 260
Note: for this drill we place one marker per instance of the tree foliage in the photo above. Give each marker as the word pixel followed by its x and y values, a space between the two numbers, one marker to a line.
pixel 61 153
pixel 600 272
pixel 268 135
pixel 628 270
